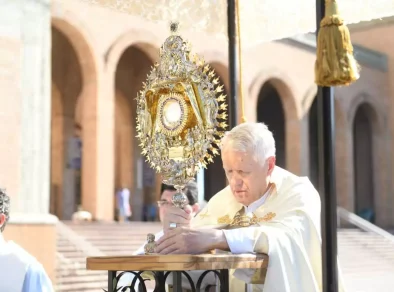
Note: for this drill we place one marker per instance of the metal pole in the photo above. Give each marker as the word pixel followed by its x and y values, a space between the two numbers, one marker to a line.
pixel 326 143
pixel 232 62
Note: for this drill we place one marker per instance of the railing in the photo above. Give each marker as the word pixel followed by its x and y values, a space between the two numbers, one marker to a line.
pixel 362 224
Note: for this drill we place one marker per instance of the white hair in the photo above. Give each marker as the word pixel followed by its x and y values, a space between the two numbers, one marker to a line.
pixel 254 138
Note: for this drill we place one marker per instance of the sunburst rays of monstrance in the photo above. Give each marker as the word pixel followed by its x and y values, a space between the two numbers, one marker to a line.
pixel 181 116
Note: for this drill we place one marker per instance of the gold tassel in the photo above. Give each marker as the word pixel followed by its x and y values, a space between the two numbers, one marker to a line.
pixel 335 64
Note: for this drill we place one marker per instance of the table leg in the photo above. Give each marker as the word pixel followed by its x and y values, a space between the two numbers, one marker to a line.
pixel 225 281
pixel 111 277
pixel 177 281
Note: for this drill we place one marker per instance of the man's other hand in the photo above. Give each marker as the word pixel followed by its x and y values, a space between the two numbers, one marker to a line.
pixel 181 217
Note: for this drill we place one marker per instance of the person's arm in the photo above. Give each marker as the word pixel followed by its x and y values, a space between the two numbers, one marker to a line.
pixel 246 240
pixel 36 279
pixel 238 241
pixel 256 239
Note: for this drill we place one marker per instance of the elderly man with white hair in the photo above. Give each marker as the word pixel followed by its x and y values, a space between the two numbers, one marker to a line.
pixel 279 211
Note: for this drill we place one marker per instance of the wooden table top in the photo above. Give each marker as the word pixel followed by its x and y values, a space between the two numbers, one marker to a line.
pixel 177 262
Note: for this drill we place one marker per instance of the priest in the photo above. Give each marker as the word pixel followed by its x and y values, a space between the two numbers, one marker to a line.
pixel 19 271
pixel 265 209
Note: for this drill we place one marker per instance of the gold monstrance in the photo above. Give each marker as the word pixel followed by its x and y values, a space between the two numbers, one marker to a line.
pixel 181 115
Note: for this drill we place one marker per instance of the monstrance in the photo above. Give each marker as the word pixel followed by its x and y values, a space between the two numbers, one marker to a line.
pixel 181 116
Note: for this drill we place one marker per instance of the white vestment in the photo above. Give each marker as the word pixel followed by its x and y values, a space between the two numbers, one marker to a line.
pixel 287 229
pixel 14 263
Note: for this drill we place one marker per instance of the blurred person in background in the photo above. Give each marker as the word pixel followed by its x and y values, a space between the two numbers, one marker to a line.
pixel 123 204
pixel 192 209
pixel 166 193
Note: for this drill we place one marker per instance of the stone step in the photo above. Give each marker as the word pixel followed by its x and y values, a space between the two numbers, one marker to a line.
pixel 82 287
pixel 84 278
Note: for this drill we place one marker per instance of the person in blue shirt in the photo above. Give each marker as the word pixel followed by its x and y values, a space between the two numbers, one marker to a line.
pixel 19 270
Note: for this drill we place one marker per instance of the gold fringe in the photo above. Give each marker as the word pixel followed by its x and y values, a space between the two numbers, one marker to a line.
pixel 335 64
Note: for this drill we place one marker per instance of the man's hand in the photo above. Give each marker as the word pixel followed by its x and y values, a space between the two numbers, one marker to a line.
pixel 191 241
pixel 181 217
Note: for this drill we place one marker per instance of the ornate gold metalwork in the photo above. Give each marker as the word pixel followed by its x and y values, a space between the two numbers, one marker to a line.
pixel 245 221
pixel 181 113
pixel 179 200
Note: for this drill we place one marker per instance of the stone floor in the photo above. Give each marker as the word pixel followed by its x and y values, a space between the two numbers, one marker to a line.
pixel 367 261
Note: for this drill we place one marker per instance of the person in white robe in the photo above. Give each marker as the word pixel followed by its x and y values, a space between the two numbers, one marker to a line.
pixel 265 209
pixel 19 270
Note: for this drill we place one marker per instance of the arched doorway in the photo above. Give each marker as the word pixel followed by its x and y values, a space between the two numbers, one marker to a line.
pixel 363 162
pixel 66 144
pixel 131 170
pixel 313 144
pixel 270 111
pixel 214 176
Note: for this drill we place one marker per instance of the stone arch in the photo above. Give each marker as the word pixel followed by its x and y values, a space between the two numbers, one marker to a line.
pixel 377 111
pixel 380 165
pixel 76 33
pixel 363 159
pixel 367 120
pixel 66 26
pixel 131 71
pixel 214 176
pixel 123 142
pixel 341 149
pixel 292 114
pixel 309 98
pixel 148 44
pixel 143 40
pixel 67 86
pixel 270 111
pixel 284 85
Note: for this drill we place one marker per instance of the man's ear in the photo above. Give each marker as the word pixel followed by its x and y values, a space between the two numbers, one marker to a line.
pixel 2 220
pixel 271 164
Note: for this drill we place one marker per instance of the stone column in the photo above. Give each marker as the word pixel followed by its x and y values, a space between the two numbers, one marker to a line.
pixel 25 38
pixel 98 148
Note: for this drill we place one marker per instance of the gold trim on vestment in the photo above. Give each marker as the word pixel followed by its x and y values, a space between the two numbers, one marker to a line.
pixel 245 221
pixel 241 220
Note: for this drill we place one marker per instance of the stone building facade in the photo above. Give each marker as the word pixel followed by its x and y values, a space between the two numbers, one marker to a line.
pixel 69 110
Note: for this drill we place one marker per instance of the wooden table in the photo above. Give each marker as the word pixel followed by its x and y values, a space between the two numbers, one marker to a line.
pixel 162 265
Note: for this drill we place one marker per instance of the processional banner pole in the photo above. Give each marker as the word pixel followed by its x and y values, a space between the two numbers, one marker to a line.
pixel 233 58
pixel 327 190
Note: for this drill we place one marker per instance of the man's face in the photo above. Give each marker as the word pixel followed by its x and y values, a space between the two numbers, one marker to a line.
pixel 248 179
pixel 166 198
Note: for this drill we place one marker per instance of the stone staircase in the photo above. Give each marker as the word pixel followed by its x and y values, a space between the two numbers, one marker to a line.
pixel 366 259
pixel 100 239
